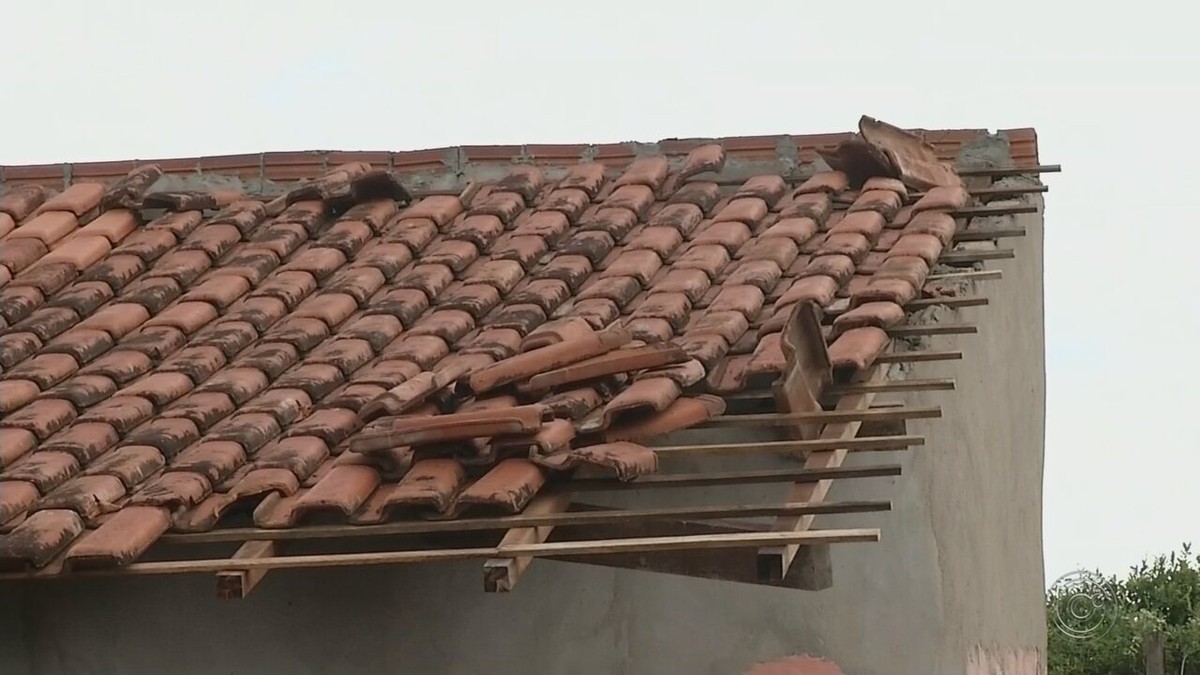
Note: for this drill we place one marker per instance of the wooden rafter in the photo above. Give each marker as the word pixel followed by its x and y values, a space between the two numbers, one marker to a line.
pixel 534 550
pixel 236 584
pixel 775 561
pixel 777 447
pixel 500 575
pixel 920 355
pixel 825 417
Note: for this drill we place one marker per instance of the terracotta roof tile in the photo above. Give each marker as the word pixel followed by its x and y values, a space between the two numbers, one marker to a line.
pixel 82 344
pixel 84 390
pixel 175 371
pixel 17 253
pixel 35 542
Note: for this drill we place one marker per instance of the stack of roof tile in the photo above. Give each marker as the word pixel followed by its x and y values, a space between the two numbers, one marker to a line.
pixel 348 352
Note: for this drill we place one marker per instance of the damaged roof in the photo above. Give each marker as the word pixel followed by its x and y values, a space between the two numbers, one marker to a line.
pixel 351 343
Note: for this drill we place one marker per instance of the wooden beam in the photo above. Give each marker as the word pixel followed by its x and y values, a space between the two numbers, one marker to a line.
pixel 988 234
pixel 957 257
pixel 879 443
pixel 781 419
pixel 500 575
pixel 738 565
pixel 982 211
pixel 775 561
pixel 965 301
pixel 995 191
pixel 528 519
pixel 933 384
pixel 971 275
pixel 998 171
pixel 647 482
pixel 536 550
pixel 1009 190
pixel 714 479
pixel 940 384
pixel 916 305
pixel 919 356
pixel 905 330
pixel 237 584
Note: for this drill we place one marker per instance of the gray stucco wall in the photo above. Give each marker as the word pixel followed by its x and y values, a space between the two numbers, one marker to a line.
pixel 955 586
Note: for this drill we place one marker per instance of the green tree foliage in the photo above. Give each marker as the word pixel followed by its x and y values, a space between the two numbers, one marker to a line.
pixel 1097 625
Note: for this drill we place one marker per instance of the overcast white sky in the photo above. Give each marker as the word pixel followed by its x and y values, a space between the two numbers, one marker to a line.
pixel 1112 93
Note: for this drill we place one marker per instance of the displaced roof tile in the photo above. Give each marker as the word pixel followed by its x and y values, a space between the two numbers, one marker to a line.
pixel 702 159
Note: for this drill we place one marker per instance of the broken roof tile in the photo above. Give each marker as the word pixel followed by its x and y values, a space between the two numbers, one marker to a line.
pixel 543 359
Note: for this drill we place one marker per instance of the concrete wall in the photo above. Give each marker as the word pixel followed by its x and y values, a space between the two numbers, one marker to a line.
pixel 955 586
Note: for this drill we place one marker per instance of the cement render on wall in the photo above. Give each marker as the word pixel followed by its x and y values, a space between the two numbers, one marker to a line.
pixel 954 586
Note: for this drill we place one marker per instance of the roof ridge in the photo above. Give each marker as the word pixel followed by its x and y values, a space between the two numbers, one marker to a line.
pixel 296 164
